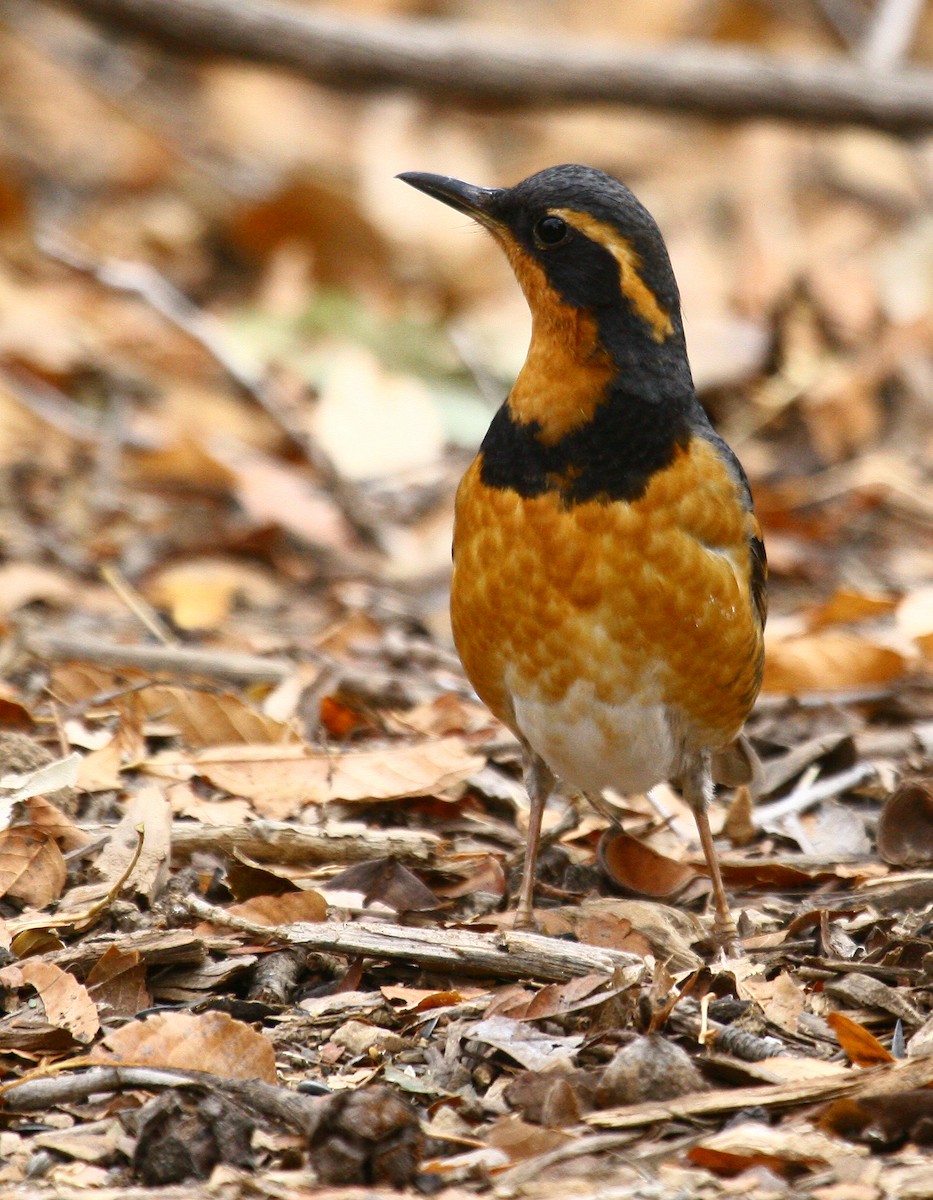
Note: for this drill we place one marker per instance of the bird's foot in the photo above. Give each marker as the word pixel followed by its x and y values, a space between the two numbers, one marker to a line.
pixel 726 936
pixel 525 920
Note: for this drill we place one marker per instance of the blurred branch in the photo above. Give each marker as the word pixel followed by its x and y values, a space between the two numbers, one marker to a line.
pixel 471 64
pixel 233 666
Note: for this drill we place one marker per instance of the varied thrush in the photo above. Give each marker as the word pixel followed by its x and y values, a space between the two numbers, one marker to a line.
pixel 608 594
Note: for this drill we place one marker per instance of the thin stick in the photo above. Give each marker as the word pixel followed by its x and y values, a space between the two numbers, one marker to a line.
pixel 874 1081
pixel 173 660
pixel 280 842
pixel 45 1091
pixel 802 798
pixel 141 609
pixel 510 954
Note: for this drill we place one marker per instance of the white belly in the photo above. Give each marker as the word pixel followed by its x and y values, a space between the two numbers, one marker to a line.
pixel 591 745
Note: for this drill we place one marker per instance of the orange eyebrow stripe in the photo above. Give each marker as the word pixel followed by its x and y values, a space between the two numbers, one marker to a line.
pixel 636 291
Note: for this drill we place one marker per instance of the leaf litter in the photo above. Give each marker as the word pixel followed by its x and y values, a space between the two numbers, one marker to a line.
pixel 257 835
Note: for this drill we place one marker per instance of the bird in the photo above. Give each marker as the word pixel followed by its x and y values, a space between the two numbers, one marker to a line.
pixel 608 595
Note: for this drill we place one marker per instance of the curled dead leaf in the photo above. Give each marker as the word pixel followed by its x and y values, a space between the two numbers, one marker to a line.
pixel 555 1101
pixel 117 982
pixel 201 718
pixel 862 1047
pixel 750 1144
pixel 641 871
pixel 905 827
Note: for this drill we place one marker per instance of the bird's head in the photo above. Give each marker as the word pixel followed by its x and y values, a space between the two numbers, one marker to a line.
pixel 578 239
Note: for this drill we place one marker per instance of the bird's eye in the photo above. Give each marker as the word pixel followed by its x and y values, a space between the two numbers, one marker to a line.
pixel 550 231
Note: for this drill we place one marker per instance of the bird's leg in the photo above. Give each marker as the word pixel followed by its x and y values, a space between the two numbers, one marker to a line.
pixel 540 782
pixel 698 790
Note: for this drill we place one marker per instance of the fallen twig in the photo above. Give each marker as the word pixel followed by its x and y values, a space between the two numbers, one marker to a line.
pixel 877 1081
pixel 277 841
pixel 44 1091
pixel 804 797
pixel 376 686
pixel 509 954
pixel 173 660
pixel 461 62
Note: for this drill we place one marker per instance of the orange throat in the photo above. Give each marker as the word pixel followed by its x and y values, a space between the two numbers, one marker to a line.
pixel 566 373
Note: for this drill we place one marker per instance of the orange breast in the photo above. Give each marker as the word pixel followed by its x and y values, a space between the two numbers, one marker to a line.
pixel 645 598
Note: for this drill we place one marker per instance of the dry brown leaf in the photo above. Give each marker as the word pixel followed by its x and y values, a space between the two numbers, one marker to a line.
pixel 403 425
pixel 67 1002
pixel 32 869
pixel 286 909
pixel 831 661
pixel 782 1001
pixel 481 873
pixel 43 815
pixel 23 583
pixel 905 827
pixel 118 981
pixel 751 1144
pixel 639 926
pixel 862 1047
pixel 183 461
pixel 211 1041
pixel 406 999
pixel 100 769
pixel 200 593
pixel 519 1139
pixel 201 718
pixel 281 779
pixel 842 409
pixel 739 826
pixel 555 1101
pixel 845 607
pixel 915 619
pixel 534 1048
pixel 557 999
pixel 187 802
pixel 272 492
